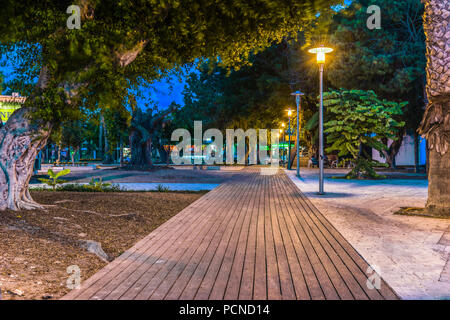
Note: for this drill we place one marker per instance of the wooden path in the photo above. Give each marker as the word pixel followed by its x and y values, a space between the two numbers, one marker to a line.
pixel 253 237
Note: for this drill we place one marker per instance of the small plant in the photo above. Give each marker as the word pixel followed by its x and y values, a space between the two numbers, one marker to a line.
pixel 98 185
pixel 161 188
pixel 53 180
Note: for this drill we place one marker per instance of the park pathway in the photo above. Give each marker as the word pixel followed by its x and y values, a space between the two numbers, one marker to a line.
pixel 253 237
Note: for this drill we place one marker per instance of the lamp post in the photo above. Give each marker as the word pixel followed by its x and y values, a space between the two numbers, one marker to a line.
pixel 298 96
pixel 284 140
pixel 320 55
pixel 289 143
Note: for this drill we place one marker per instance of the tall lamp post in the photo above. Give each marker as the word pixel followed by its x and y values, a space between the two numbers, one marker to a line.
pixel 320 55
pixel 284 141
pixel 289 143
pixel 298 96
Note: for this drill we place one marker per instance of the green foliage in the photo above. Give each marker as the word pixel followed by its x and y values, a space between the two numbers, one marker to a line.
pixel 360 119
pixel 98 185
pixel 162 188
pixel 390 61
pixel 164 34
pixel 76 187
pixel 53 180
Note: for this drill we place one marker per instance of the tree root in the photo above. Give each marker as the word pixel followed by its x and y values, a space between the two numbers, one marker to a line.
pixel 421 212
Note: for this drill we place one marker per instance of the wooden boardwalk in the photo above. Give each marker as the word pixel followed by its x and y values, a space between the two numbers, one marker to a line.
pixel 253 237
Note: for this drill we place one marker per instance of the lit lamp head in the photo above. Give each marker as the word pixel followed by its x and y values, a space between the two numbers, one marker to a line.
pixel 283 125
pixel 289 112
pixel 320 53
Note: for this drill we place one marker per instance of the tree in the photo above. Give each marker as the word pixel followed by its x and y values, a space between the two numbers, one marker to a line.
pixel 390 61
pixel 359 119
pixel 72 137
pixel 119 45
pixel 435 125
pixel 142 132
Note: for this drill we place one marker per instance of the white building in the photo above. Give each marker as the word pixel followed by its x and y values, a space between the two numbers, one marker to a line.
pixel 405 155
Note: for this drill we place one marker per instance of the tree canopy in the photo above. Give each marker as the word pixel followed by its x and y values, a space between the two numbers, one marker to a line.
pixel 122 44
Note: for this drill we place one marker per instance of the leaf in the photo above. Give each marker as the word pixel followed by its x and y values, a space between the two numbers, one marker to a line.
pixel 62 173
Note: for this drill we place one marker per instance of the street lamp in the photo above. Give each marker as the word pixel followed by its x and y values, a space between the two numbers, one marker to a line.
pixel 284 141
pixel 289 143
pixel 298 96
pixel 320 55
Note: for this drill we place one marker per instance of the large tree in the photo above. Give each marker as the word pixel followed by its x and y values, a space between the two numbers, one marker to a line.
pixel 360 119
pixel 119 45
pixel 390 61
pixel 435 126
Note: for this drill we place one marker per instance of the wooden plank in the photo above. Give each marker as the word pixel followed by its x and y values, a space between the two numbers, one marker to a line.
pixel 285 275
pixel 248 268
pixel 235 252
pixel 142 278
pixel 260 274
pixel 313 257
pixel 336 278
pixel 186 261
pixel 290 256
pixel 110 271
pixel 204 290
pixel 235 277
pixel 354 261
pixel 273 276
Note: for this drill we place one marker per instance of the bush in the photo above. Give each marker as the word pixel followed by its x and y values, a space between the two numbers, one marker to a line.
pixel 161 188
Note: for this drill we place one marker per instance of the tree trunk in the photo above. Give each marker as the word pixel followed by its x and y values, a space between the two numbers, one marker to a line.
pixel 141 152
pixel 121 152
pixel 416 152
pixel 393 149
pixel 435 125
pixel 293 156
pixel 75 150
pixel 100 138
pixel 21 140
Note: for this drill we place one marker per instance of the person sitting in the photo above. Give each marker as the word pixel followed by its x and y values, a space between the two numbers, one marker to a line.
pixel 313 162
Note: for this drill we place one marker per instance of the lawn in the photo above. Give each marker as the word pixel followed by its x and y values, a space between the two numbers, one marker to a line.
pixel 37 246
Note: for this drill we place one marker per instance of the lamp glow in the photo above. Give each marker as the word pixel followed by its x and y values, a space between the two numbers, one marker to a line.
pixel 320 53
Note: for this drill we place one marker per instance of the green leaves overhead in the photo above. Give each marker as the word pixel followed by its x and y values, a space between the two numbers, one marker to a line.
pixel 155 35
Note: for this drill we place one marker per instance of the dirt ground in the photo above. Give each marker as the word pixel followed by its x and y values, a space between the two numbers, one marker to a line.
pixel 37 246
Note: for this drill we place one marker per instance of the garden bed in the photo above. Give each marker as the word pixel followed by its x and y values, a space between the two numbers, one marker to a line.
pixel 37 246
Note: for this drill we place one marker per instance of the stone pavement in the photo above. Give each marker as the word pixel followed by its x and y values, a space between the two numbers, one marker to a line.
pixel 411 252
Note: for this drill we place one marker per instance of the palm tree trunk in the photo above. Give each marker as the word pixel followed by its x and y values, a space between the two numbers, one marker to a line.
pixel 435 126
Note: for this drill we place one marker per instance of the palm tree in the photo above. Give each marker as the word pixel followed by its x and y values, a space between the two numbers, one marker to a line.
pixel 435 126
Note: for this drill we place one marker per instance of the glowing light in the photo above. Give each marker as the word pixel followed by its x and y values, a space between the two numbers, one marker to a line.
pixel 320 53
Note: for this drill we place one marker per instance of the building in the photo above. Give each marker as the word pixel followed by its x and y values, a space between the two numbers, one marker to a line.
pixel 8 104
pixel 405 155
